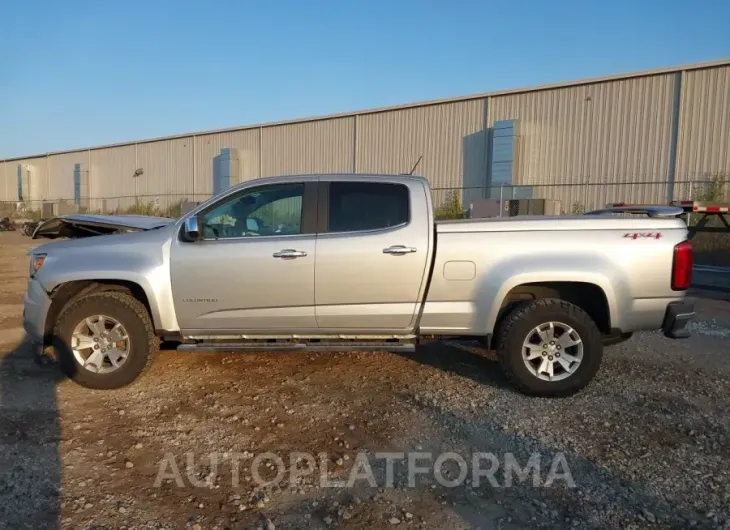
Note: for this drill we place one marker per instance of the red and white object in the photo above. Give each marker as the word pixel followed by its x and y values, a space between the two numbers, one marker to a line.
pixel 702 206
pixel 689 206
pixel 710 209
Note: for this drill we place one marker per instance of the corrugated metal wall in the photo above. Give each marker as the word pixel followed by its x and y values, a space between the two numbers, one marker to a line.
pixel 208 146
pixel 168 172
pixel 38 180
pixel 61 174
pixel 617 131
pixel 580 144
pixel 4 195
pixel 111 176
pixel 703 147
pixel 325 146
pixel 451 138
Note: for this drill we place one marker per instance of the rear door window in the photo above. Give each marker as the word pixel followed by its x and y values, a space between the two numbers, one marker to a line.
pixel 360 206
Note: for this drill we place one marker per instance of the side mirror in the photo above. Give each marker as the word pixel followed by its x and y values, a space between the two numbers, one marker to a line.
pixel 192 231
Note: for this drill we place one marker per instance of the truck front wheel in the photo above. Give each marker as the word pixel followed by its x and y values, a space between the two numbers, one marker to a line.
pixel 549 347
pixel 104 340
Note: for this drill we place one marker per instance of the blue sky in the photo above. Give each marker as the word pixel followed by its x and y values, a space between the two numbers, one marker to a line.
pixel 80 73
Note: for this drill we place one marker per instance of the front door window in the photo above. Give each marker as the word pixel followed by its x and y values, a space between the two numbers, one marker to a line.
pixel 266 211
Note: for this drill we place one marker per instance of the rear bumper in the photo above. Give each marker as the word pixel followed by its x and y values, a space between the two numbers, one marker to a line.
pixel 678 315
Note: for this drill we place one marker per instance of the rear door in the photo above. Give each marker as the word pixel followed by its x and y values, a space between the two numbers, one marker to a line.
pixel 372 252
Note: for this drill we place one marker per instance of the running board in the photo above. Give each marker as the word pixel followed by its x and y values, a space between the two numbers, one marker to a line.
pixel 395 347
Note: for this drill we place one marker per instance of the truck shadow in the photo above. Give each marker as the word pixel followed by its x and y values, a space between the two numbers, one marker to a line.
pixel 464 359
pixel 558 489
pixel 30 433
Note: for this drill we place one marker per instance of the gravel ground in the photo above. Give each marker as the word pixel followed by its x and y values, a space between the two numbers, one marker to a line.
pixel 644 446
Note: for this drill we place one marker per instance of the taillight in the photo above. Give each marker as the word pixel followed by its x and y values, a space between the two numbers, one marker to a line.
pixel 682 266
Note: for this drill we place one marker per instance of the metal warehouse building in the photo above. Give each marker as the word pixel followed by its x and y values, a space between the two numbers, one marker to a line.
pixel 635 137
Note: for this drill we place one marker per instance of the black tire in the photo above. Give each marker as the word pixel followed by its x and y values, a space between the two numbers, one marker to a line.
pixel 128 311
pixel 515 329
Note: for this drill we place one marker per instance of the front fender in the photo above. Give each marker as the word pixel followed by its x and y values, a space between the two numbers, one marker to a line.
pixel 162 316
pixel 135 258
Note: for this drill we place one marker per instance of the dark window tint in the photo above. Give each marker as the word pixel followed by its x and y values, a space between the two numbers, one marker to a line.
pixel 366 206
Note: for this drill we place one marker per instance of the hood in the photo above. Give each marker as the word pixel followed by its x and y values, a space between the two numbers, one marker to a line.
pixel 76 226
pixel 119 242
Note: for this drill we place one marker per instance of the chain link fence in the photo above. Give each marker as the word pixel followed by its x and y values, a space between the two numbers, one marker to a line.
pixel 576 198
pixel 167 205
pixel 570 198
pixel 710 236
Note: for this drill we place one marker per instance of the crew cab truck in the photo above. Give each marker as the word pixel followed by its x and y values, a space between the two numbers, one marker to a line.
pixel 355 262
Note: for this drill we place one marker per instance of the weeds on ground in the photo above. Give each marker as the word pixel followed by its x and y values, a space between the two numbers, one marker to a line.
pixel 152 209
pixel 451 209
pixel 714 189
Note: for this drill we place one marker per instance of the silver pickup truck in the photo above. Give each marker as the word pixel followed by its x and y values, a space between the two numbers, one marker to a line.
pixel 355 262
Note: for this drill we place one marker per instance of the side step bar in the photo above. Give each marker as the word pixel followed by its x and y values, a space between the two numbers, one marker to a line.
pixel 395 347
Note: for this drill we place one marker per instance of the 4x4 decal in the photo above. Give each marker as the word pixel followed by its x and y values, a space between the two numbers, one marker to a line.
pixel 643 235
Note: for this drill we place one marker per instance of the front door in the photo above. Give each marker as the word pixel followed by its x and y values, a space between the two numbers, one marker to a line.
pixel 372 252
pixel 253 269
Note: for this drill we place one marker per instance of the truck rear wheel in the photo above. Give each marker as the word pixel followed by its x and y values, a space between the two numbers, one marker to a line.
pixel 549 347
pixel 104 340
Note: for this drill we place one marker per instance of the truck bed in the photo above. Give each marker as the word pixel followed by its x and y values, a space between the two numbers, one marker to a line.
pixel 557 222
pixel 479 262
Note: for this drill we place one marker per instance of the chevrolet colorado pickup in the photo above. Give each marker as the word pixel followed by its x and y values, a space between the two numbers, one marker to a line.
pixel 355 262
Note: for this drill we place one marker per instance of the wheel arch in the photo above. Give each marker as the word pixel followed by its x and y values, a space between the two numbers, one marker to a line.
pixel 65 293
pixel 590 296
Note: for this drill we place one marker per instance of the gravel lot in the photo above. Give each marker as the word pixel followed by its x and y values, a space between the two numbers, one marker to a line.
pixel 646 445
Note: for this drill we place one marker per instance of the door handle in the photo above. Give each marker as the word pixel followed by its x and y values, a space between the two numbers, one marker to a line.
pixel 399 249
pixel 290 253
